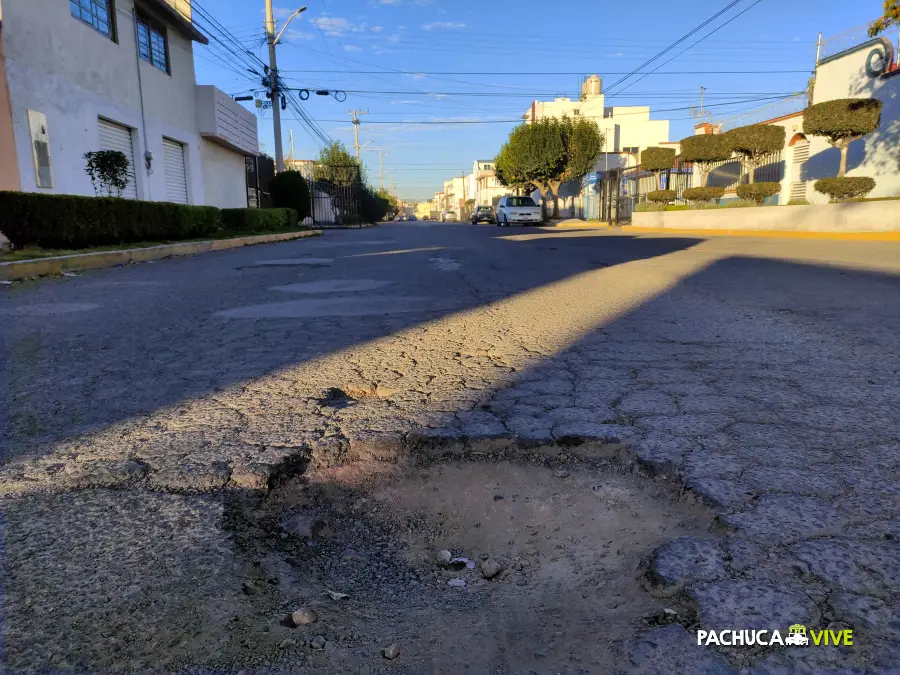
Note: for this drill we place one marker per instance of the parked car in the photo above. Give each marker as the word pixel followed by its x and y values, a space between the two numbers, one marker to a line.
pixel 450 217
pixel 512 210
pixel 411 218
pixel 425 218
pixel 483 214
pixel 398 218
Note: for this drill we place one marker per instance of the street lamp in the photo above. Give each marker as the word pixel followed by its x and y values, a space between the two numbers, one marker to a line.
pixel 288 23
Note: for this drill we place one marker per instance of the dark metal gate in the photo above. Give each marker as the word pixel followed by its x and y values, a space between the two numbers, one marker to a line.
pixel 335 194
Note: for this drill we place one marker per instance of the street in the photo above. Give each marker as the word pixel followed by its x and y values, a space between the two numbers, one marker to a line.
pixel 197 445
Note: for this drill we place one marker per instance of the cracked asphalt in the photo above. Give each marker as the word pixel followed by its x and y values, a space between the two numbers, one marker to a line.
pixel 762 375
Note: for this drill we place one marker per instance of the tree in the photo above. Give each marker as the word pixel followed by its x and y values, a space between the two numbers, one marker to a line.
pixel 108 170
pixel 753 143
pixel 842 121
pixel 704 150
pixel 890 18
pixel 658 160
pixel 290 191
pixel 548 153
pixel 337 166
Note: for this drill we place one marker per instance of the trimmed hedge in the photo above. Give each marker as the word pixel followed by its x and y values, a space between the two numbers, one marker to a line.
pixel 704 194
pixel 756 139
pixel 258 220
pixel 73 222
pixel 663 196
pixel 705 148
pixel 845 188
pixel 658 159
pixel 758 192
pixel 290 191
pixel 842 118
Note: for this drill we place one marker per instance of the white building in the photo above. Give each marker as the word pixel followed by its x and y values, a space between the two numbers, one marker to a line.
pixel 627 131
pixel 485 188
pixel 89 75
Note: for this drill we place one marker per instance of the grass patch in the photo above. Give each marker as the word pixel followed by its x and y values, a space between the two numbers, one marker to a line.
pixel 37 253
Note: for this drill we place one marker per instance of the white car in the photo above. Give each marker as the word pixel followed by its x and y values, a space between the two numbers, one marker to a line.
pixel 513 210
pixel 449 217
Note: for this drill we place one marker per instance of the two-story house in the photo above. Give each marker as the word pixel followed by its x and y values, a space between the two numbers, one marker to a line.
pixel 84 75
pixel 487 190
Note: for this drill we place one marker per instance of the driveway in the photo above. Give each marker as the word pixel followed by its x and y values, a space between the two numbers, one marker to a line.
pixel 753 383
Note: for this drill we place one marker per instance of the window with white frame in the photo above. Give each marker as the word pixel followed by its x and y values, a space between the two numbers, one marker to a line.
pixel 152 43
pixel 96 13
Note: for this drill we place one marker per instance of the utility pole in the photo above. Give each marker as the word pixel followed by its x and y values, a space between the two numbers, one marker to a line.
pixel 355 114
pixel 292 144
pixel 274 88
pixel 381 154
pixel 702 89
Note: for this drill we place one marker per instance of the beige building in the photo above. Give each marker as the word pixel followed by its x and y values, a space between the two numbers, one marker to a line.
pixel 485 189
pixel 92 75
pixel 627 131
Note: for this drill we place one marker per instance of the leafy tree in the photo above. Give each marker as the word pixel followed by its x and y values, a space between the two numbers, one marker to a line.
pixel 890 18
pixel 337 166
pixel 704 150
pixel 108 170
pixel 290 191
pixel 842 121
pixel 753 143
pixel 658 160
pixel 548 153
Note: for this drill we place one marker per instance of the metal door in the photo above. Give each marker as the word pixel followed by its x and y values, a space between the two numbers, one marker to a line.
pixel 176 175
pixel 117 137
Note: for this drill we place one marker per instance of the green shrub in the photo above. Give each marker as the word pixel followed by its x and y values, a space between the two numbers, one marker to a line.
pixel 798 202
pixel 758 192
pixel 704 194
pixel 644 207
pixel 68 221
pixel 238 221
pixel 664 196
pixel 704 150
pixel 754 143
pixel 658 159
pixel 845 188
pixel 290 191
pixel 738 204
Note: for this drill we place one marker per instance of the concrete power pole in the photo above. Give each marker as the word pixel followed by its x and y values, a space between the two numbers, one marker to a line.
pixel 381 154
pixel 356 114
pixel 273 87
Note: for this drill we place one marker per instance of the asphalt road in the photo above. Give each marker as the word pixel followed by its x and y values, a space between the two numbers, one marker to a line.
pixel 762 374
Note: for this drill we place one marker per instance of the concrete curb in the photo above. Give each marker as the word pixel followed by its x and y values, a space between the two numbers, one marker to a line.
pixel 39 267
pixel 778 234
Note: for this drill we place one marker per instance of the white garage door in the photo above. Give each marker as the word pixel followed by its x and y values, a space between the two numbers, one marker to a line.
pixel 176 176
pixel 116 137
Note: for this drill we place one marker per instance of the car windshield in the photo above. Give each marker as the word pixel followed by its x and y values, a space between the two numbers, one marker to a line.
pixel 520 201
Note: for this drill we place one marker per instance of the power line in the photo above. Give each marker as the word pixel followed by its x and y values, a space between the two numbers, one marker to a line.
pixel 675 44
pixel 517 73
pixel 715 30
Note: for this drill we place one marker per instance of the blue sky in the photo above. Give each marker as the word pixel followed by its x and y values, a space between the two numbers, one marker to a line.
pixel 470 39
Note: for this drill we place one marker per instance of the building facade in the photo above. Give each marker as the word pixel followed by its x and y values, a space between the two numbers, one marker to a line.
pixel 89 75
pixel 486 190
pixel 627 131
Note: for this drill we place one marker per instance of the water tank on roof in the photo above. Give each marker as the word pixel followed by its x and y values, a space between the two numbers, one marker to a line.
pixel 592 86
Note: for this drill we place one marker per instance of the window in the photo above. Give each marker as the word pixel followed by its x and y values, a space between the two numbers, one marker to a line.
pixel 520 201
pixel 631 149
pixel 95 13
pixel 576 111
pixel 152 45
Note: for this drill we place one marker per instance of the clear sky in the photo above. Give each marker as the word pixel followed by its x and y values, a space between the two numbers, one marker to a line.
pixel 449 51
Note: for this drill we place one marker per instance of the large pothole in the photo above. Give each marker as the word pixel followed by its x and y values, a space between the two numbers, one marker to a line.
pixel 568 538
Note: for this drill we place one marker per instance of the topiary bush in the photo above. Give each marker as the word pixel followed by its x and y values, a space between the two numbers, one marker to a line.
pixel 753 143
pixel 290 191
pixel 845 188
pixel 842 121
pixel 662 196
pixel 758 192
pixel 704 194
pixel 704 150
pixel 658 159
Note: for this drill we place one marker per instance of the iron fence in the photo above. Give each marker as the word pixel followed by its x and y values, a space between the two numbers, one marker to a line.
pixel 335 194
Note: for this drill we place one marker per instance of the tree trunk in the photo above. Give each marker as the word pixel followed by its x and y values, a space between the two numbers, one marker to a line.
pixel 554 188
pixel 751 173
pixel 844 146
pixel 703 172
